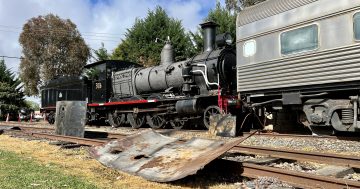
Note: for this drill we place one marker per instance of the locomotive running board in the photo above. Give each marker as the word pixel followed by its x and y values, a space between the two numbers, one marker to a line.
pixel 159 158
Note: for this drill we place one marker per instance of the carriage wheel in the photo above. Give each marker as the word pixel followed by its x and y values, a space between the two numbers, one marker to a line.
pixel 210 111
pixel 116 120
pixel 155 121
pixel 177 123
pixel 136 120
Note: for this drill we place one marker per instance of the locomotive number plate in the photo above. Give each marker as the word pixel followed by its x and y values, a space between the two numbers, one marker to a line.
pixel 98 86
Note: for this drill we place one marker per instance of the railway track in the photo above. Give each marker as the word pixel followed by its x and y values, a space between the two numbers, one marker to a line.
pixel 298 179
pixel 341 160
pixel 250 170
pixel 115 135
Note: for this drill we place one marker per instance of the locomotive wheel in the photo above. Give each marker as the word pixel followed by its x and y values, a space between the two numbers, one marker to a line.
pixel 177 123
pixel 136 120
pixel 116 120
pixel 210 111
pixel 155 121
pixel 51 118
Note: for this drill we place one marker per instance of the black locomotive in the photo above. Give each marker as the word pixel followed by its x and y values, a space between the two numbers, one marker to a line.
pixel 173 92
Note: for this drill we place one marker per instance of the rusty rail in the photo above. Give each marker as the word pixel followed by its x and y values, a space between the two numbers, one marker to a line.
pixel 298 179
pixel 22 127
pixel 342 160
pixel 78 140
pixel 118 135
pixel 350 138
pixel 332 159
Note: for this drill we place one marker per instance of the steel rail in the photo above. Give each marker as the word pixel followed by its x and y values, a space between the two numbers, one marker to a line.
pixel 332 159
pixel 118 135
pixel 46 129
pixel 298 179
pixel 78 140
pixel 350 138
pixel 22 127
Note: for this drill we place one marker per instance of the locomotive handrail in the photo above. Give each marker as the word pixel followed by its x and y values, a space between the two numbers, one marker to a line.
pixel 204 74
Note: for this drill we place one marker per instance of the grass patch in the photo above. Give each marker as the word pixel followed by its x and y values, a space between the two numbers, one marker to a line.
pixel 19 172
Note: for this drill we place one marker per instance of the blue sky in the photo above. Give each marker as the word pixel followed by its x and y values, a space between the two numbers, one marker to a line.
pixel 98 20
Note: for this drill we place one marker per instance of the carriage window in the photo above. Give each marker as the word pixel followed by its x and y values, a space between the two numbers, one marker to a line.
pixel 299 40
pixel 357 26
pixel 249 48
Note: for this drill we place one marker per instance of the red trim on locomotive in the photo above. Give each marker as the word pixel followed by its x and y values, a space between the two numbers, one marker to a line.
pixel 122 103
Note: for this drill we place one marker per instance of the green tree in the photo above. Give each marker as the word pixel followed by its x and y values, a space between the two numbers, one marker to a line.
pixel 224 18
pixel 32 105
pixel 238 5
pixel 101 53
pixel 139 43
pixel 247 3
pixel 11 96
pixel 51 46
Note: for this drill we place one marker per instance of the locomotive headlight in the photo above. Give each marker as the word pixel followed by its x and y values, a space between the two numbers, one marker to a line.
pixel 224 39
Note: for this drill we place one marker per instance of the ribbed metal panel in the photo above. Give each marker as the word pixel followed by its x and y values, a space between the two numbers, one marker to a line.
pixel 267 9
pixel 331 66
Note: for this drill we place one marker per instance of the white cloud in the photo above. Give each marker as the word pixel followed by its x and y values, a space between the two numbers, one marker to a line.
pixel 91 17
pixel 108 16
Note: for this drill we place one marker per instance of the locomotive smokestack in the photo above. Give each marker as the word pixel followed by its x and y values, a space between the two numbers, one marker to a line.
pixel 209 35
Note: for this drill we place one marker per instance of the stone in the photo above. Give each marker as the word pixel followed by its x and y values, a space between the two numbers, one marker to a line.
pixel 336 171
pixel 263 161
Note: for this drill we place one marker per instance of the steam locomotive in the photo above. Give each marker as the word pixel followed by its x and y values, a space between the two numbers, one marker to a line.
pixel 295 64
pixel 172 92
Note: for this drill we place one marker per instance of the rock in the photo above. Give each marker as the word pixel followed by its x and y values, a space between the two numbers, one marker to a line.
pixel 336 171
pixel 262 161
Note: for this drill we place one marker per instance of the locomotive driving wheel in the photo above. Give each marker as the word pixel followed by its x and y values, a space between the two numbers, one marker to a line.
pixel 210 111
pixel 116 120
pixel 136 120
pixel 177 123
pixel 156 121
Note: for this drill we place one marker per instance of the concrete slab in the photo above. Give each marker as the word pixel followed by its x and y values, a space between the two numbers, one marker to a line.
pixel 335 171
pixel 70 118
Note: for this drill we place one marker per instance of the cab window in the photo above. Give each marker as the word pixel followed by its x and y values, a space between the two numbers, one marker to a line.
pixel 357 26
pixel 249 48
pixel 299 40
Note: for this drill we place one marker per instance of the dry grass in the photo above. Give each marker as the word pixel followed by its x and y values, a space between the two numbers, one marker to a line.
pixel 78 163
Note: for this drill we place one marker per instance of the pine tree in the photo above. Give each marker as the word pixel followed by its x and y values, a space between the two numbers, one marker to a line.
pixel 101 53
pixel 224 18
pixel 11 96
pixel 139 43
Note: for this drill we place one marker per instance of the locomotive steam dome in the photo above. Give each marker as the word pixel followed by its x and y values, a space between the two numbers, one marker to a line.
pixel 167 54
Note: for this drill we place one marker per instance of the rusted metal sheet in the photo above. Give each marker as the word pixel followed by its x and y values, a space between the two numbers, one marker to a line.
pixel 159 158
